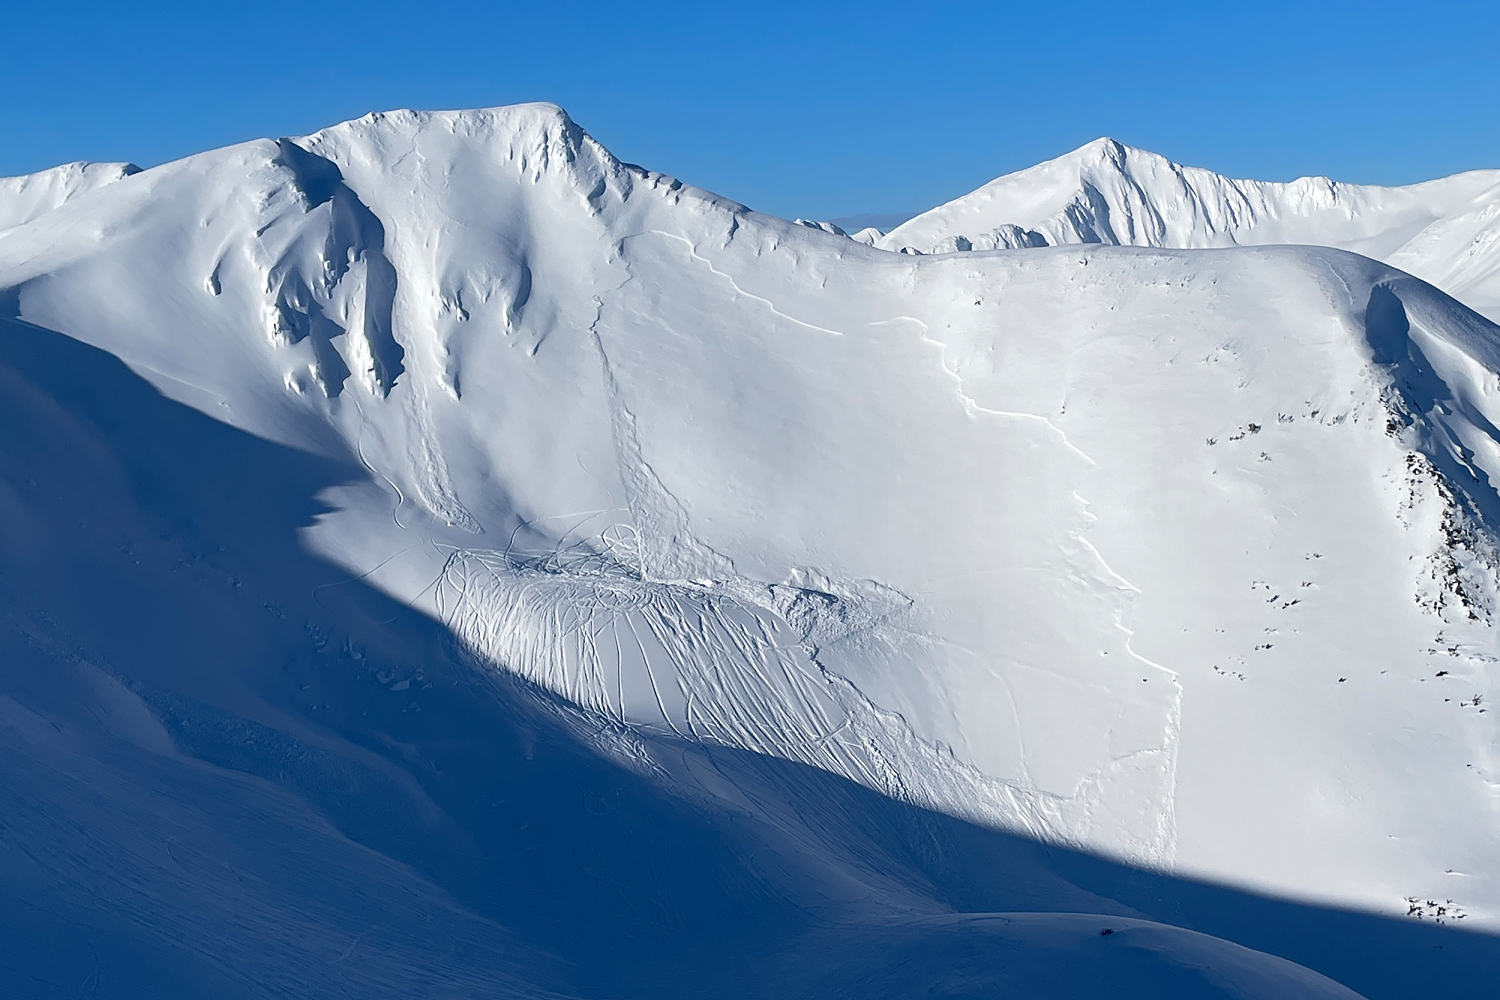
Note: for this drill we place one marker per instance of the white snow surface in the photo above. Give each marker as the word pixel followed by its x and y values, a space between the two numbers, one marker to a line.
pixel 25 197
pixel 871 571
pixel 1445 231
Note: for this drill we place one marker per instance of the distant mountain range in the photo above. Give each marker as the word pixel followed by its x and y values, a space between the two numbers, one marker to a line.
pixel 1444 231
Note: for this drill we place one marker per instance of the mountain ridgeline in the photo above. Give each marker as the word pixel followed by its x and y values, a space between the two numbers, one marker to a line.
pixel 1445 231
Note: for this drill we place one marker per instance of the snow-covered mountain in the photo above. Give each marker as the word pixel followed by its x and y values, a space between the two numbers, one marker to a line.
pixel 24 198
pixel 444 558
pixel 1445 231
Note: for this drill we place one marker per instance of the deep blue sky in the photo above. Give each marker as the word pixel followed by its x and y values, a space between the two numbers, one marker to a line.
pixel 813 109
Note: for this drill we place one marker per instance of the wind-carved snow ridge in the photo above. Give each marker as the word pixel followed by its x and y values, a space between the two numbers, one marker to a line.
pixel 327 278
pixel 31 196
pixel 1439 393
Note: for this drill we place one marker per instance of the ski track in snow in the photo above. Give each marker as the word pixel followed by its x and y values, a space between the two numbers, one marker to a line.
pixel 508 612
pixel 1173 722
pixel 729 279
pixel 970 405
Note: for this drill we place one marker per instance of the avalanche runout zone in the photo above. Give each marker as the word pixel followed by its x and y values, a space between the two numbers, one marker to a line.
pixel 627 625
pixel 704 664
pixel 1164 843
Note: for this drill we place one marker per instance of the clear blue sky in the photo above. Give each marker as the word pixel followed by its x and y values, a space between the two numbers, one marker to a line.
pixel 813 109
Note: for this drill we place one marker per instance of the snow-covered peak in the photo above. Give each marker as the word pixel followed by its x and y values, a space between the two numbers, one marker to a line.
pixel 1107 192
pixel 538 137
pixel 824 227
pixel 25 197
pixel 1103 155
pixel 534 116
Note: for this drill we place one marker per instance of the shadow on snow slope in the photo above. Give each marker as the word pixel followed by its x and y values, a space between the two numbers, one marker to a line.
pixel 220 775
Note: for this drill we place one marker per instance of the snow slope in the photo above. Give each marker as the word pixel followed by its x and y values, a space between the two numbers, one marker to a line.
pixel 1445 231
pixel 485 467
pixel 30 195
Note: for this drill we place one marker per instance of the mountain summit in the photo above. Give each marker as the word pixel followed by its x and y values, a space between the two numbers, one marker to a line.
pixel 1446 231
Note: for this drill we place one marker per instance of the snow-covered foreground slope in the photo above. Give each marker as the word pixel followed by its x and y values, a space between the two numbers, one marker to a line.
pixel 1445 231
pixel 447 558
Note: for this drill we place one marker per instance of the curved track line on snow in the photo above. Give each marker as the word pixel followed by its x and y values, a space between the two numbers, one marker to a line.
pixel 693 251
